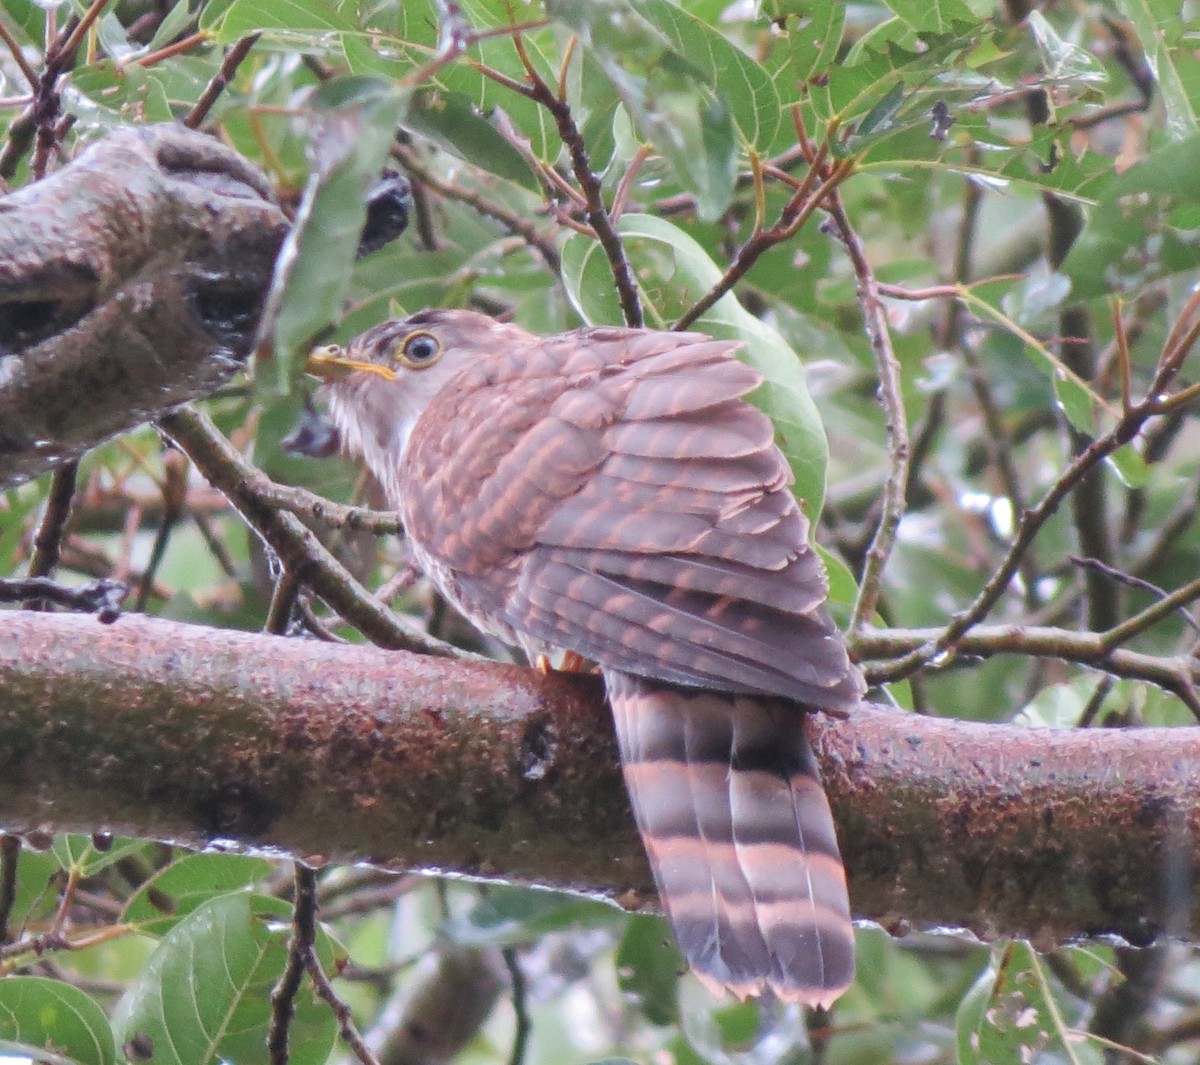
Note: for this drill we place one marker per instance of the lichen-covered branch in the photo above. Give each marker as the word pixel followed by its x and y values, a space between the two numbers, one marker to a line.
pixel 350 753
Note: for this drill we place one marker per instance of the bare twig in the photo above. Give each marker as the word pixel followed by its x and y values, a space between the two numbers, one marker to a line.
pixel 511 220
pixel 349 1031
pixel 300 954
pixel 301 501
pixel 18 55
pixel 212 91
pixel 1028 527
pixel 895 420
pixel 47 542
pixel 174 493
pixel 179 47
pixel 520 1006
pixel 596 213
pixel 283 602
pixel 1112 573
pixel 101 597
pixel 10 856
pixel 298 549
pixel 799 208
pixel 1131 627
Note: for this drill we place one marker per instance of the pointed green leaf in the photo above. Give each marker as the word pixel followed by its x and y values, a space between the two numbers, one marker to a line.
pixel 935 16
pixel 170 895
pixel 80 852
pixel 204 997
pixel 1160 29
pixel 52 1021
pixel 648 968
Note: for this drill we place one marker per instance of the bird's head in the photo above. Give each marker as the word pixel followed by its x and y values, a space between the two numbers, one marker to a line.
pixel 380 384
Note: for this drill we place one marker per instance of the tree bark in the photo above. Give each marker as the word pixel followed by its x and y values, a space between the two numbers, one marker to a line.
pixel 212 737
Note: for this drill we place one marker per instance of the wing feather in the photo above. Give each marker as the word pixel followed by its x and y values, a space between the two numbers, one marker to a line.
pixel 611 493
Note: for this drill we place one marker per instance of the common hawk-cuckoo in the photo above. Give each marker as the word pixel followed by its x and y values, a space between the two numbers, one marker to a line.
pixel 608 491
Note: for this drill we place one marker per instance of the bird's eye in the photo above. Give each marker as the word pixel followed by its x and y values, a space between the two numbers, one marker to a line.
pixel 420 350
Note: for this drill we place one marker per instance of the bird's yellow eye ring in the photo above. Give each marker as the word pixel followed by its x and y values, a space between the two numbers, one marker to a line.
pixel 419 350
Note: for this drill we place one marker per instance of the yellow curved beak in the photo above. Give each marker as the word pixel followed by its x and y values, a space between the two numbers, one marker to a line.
pixel 329 363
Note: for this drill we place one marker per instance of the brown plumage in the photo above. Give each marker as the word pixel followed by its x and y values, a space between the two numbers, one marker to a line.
pixel 608 491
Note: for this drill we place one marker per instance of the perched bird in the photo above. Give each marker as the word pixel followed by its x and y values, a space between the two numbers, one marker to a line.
pixel 609 492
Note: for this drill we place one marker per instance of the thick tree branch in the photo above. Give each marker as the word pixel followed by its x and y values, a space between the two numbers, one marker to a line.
pixel 350 753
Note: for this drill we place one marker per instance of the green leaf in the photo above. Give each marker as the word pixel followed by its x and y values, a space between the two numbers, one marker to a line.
pixel 171 27
pixel 50 1020
pixel 1063 61
pixel 936 16
pixel 204 996
pixel 1079 401
pixel 37 895
pixel 1010 1015
pixel 687 89
pixel 1144 228
pixel 1169 170
pixel 1159 28
pixel 648 968
pixel 509 916
pixel 80 853
pixel 353 129
pixel 672 271
pixel 291 22
pixel 814 34
pixel 171 894
pixel 452 121
pixel 1129 465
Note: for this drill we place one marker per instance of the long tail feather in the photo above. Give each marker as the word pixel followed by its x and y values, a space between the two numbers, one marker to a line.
pixel 740 838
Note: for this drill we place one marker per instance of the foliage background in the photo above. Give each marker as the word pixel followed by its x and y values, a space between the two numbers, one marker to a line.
pixel 1060 186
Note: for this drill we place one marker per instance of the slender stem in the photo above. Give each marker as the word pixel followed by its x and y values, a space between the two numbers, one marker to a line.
pixel 795 213
pixel 1030 523
pixel 212 91
pixel 298 549
pixel 596 213
pixel 520 1007
pixel 1131 627
pixel 10 855
pixel 895 420
pixel 300 953
pixel 14 47
pixel 349 1031
pixel 47 542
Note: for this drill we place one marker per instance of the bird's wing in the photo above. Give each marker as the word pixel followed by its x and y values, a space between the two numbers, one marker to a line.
pixel 627 504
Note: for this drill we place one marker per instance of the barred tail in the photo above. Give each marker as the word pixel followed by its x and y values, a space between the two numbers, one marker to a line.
pixel 740 838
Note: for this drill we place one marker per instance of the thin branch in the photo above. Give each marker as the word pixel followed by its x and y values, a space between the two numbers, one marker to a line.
pixel 283 603
pixel 540 242
pixel 179 47
pixel 596 213
pixel 520 1006
pixel 300 952
pixel 174 493
pixel 895 420
pixel 1152 615
pixel 346 1026
pixel 1128 579
pixel 301 501
pixel 10 856
pixel 18 55
pixel 1030 523
pixel 298 549
pixel 212 91
pixel 47 542
pixel 795 213
pixel 100 597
